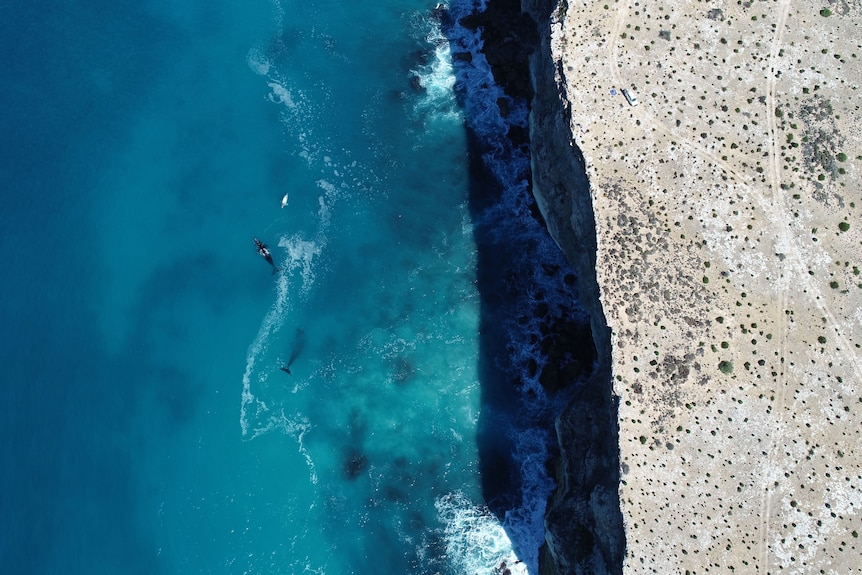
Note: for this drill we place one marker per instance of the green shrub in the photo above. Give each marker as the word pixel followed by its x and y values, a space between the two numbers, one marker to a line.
pixel 843 226
pixel 826 12
pixel 726 367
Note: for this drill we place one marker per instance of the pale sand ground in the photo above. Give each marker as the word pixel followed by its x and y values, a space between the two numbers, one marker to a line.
pixel 718 201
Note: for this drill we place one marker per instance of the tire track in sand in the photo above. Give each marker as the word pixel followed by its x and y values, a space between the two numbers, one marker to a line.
pixel 776 211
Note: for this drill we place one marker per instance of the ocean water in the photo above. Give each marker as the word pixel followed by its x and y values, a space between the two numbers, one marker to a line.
pixel 148 426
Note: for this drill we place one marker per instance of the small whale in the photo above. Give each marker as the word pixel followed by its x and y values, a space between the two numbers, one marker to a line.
pixel 298 346
pixel 284 201
pixel 265 254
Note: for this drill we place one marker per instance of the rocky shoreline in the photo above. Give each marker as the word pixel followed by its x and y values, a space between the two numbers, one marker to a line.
pixel 584 529
pixel 584 526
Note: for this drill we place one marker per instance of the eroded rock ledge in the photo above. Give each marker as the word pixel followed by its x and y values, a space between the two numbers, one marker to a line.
pixel 584 527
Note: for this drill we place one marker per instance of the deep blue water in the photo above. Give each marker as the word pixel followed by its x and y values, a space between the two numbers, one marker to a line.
pixel 147 426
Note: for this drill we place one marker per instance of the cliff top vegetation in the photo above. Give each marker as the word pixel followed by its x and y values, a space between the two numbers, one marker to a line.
pixel 728 207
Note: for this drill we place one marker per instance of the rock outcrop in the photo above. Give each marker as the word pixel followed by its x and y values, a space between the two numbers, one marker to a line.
pixel 583 522
pixel 584 529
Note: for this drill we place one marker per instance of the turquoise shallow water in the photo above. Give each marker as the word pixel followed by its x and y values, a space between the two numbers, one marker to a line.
pixel 149 426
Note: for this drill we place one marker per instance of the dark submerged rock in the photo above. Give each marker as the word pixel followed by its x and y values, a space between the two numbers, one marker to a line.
pixel 355 463
pixel 403 370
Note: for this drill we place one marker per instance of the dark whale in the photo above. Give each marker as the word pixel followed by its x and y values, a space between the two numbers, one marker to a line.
pixel 298 346
pixel 265 254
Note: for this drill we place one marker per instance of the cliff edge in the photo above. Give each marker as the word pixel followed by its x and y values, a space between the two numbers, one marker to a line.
pixel 713 217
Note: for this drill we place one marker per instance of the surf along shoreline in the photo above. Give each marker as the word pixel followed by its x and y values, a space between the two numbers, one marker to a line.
pixel 582 527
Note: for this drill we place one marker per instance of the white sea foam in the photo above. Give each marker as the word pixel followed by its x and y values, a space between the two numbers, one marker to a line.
pixel 302 255
pixel 476 543
pixel 295 426
pixel 257 61
pixel 330 194
pixel 297 115
pixel 323 212
pixel 278 14
pixel 280 95
pixel 436 77
pixel 299 254
pixel 438 81
pixel 252 408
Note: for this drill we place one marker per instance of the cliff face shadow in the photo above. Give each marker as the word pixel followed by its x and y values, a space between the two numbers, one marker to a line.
pixel 538 356
pixel 499 395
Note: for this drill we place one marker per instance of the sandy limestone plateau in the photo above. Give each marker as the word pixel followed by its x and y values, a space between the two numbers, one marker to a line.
pixel 729 250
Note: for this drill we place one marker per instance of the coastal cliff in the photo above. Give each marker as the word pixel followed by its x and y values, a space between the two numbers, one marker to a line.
pixel 583 523
pixel 584 530
pixel 712 217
